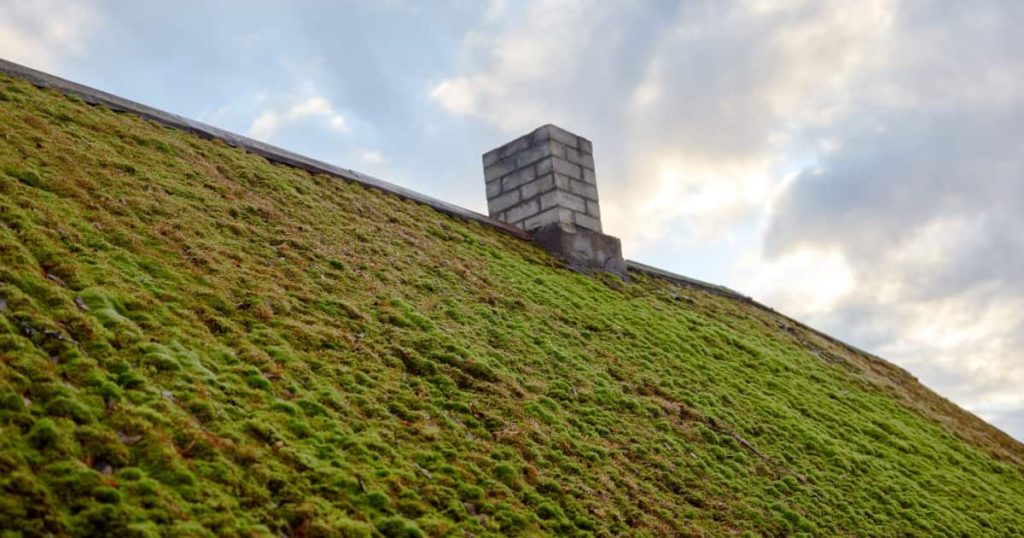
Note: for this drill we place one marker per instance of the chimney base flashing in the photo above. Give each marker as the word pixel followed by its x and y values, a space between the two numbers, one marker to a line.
pixel 582 248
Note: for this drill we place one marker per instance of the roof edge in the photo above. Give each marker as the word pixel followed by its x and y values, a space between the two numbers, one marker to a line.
pixel 270 152
pixel 735 295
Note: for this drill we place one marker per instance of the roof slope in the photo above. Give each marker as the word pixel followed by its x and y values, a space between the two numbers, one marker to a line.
pixel 195 341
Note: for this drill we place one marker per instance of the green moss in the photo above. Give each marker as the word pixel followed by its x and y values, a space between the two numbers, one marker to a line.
pixel 397 527
pixel 28 177
pixel 44 434
pixel 224 346
pixel 378 500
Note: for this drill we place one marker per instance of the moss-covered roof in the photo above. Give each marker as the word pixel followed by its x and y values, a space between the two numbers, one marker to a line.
pixel 195 341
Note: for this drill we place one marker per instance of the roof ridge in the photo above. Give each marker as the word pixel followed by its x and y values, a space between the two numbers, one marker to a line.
pixel 270 152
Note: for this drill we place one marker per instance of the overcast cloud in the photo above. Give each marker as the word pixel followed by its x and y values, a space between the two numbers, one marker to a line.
pixel 859 165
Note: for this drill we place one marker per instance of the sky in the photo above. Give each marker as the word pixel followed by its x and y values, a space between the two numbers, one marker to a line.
pixel 858 165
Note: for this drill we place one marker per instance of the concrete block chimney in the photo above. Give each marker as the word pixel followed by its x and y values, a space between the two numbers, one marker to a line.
pixel 544 183
pixel 544 177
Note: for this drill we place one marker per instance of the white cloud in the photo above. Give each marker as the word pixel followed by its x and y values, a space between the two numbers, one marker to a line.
pixel 922 192
pixel 45 33
pixel 873 146
pixel 719 91
pixel 312 106
pixel 265 125
pixel 967 344
pixel 803 282
pixel 457 95
pixel 710 194
pixel 338 123
pixel 727 93
pixel 371 157
pixel 269 122
pixel 523 59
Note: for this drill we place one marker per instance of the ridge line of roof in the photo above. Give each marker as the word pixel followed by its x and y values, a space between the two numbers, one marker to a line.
pixel 733 294
pixel 276 154
pixel 272 153
pixel 716 288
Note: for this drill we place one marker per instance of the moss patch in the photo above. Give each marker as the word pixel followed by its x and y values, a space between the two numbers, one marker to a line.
pixel 194 341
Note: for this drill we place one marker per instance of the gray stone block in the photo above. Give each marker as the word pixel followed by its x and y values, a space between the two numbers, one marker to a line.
pixel 492 157
pixel 564 199
pixel 555 133
pixel 563 137
pixel 545 166
pixel 520 177
pixel 589 177
pixel 537 186
pixel 567 168
pixel 535 153
pixel 585 190
pixel 503 202
pixel 540 134
pixel 593 209
pixel 514 147
pixel 499 169
pixel 522 211
pixel 493 188
pixel 554 215
pixel 586 146
pixel 561 182
pixel 587 221
pixel 582 248
pixel 585 160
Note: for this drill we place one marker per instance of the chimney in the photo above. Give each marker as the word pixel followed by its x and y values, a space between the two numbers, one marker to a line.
pixel 544 183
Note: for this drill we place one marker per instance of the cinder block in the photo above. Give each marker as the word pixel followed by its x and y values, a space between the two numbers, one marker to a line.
pixel 537 186
pixel 535 153
pixel 585 160
pixel 514 146
pixel 503 202
pixel 554 215
pixel 545 166
pixel 587 222
pixel 498 169
pixel 558 198
pixel 585 190
pixel 567 168
pixel 492 157
pixel 582 248
pixel 563 137
pixel 493 188
pixel 561 182
pixel 555 133
pixel 540 134
pixel 522 211
pixel 520 177
pixel 546 176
